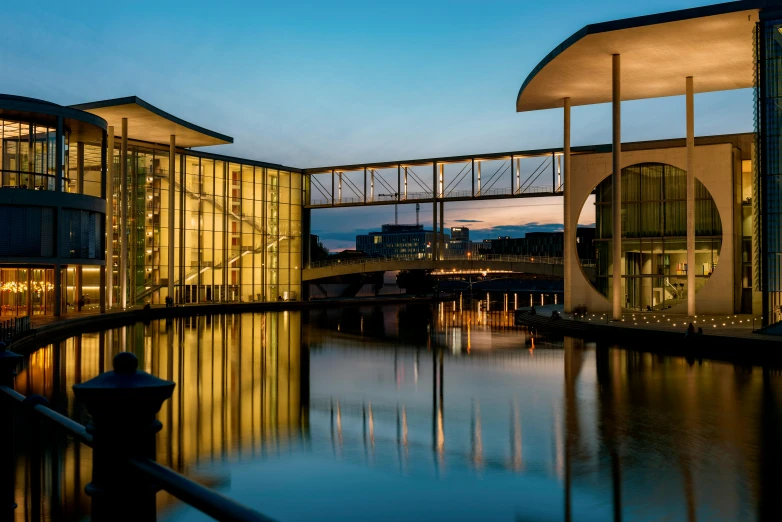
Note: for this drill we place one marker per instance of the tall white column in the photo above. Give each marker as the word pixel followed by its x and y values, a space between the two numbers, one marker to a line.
pixel 616 196
pixel 123 183
pixel 518 175
pixel 110 219
pixel 568 226
pixel 441 184
pixel 690 198
pixel 171 212
pixel 435 236
pixel 479 179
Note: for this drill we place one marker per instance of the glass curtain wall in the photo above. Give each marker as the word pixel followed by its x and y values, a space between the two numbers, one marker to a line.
pixel 654 236
pixel 28 154
pixel 237 231
pixel 768 122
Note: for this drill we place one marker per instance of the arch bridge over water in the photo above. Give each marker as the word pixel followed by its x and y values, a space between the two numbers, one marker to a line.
pixel 497 264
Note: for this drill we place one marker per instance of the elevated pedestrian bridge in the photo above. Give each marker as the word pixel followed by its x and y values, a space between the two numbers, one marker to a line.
pixel 497 264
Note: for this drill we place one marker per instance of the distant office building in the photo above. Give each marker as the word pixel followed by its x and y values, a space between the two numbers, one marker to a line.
pixel 459 234
pixel 545 244
pixel 460 241
pixel 397 240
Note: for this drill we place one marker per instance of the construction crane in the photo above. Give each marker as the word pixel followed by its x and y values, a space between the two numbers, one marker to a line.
pixel 395 195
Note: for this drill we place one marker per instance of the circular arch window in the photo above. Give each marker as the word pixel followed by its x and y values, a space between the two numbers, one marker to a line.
pixel 654 236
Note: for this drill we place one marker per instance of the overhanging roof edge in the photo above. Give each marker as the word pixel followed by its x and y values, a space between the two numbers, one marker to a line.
pixel 637 21
pixel 128 100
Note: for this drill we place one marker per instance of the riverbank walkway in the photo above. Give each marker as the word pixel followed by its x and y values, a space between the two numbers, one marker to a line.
pixel 733 337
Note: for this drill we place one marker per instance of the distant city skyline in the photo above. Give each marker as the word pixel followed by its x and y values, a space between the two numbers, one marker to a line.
pixel 312 84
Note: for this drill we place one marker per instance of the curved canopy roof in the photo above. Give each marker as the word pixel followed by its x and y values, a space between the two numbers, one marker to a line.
pixel 148 123
pixel 713 44
pixel 82 125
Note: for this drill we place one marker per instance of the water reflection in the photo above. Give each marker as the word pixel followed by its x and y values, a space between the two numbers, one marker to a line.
pixel 414 413
pixel 239 394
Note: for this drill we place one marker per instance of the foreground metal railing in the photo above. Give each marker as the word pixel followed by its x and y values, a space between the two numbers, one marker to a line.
pixel 123 405
pixel 13 327
pixel 477 259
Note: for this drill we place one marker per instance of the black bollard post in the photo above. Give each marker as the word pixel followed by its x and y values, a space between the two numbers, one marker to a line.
pixel 8 363
pixel 123 404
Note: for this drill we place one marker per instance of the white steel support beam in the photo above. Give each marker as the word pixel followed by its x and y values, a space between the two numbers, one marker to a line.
pixel 123 201
pixel 690 198
pixel 171 212
pixel 569 242
pixel 110 220
pixel 479 179
pixel 616 195
pixel 441 184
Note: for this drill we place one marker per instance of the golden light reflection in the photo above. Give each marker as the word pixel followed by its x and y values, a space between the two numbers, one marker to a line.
pixel 238 391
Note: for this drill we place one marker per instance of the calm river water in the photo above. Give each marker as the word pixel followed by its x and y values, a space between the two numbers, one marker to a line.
pixel 422 413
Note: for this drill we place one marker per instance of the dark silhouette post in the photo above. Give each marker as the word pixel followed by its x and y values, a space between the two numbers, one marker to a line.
pixel 123 404
pixel 8 363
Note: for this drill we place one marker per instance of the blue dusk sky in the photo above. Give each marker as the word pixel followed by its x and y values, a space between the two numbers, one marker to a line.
pixel 309 84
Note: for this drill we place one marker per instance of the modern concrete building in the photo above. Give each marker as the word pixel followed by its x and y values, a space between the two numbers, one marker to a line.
pixel 700 220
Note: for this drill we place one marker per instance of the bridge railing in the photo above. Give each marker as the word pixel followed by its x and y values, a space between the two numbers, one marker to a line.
pixel 123 405
pixel 412 197
pixel 476 259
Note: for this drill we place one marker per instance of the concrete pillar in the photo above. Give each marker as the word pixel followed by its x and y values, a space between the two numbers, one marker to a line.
pixel 78 283
pixel 123 200
pixel 443 251
pixel 171 213
pixel 110 220
pixel 690 198
pixel 57 304
pixel 616 196
pixel 29 294
pixel 479 179
pixel 79 272
pixel 441 183
pixel 569 243
pixel 102 289
pixel 434 212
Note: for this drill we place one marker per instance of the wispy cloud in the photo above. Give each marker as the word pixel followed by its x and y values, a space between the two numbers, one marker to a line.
pixel 467 221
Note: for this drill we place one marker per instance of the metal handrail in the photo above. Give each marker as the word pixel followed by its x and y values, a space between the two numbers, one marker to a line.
pixel 417 196
pixel 203 499
pixel 200 497
pixel 476 259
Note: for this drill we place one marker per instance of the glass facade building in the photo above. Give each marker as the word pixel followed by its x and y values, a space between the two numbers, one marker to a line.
pixel 92 199
pixel 767 206
pixel 52 206
pixel 654 236
pixel 237 226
